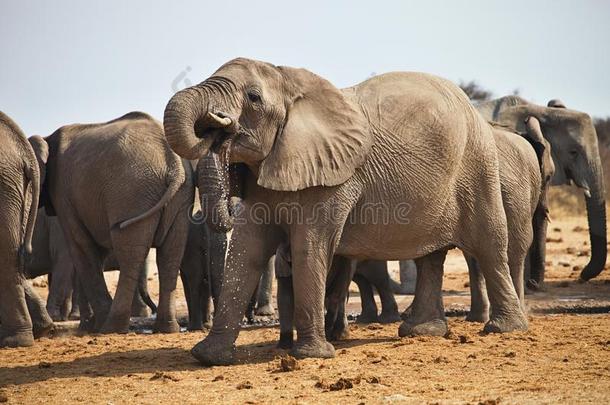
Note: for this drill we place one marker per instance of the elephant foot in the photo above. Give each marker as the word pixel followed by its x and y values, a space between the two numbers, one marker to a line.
pixel 195 326
pixel 506 324
pixel 367 317
pixel 286 340
pixel 340 332
pixel 74 314
pixel 265 310
pixel 213 353
pixel 166 326
pixel 436 327
pixel 43 330
pixel 20 339
pixel 389 317
pixel 319 349
pixel 115 326
pixel 477 315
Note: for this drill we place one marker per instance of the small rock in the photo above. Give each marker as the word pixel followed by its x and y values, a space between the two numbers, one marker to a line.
pixel 288 363
pixel 579 228
pixel 556 229
pixel 246 385
pixel 510 354
pixel 554 240
pixel 218 378
pixel 564 264
pixel 576 268
pixel 584 252
pixel 465 339
pixel 441 359
pixel 160 375
pixel 571 250
pixel 374 326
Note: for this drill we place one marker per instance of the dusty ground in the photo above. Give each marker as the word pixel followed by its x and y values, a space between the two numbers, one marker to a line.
pixel 562 358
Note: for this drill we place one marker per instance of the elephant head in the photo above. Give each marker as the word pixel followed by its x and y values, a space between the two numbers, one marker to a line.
pixel 575 153
pixel 291 129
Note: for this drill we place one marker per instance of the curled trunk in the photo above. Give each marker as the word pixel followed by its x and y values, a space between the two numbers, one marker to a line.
pixel 181 120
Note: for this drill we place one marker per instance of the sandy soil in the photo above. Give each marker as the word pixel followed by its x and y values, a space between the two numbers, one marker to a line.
pixel 562 358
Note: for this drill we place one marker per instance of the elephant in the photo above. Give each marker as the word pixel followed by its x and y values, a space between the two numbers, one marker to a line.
pixel 117 186
pixel 312 163
pixel 19 191
pixel 573 140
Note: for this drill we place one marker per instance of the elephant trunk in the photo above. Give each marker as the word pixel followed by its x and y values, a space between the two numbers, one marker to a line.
pixel 212 173
pixel 596 217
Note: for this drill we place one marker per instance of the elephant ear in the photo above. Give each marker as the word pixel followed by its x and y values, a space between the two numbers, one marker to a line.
pixel 41 150
pixel 324 138
pixel 542 148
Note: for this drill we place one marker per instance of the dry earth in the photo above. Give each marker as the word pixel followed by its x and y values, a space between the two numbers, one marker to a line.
pixel 563 358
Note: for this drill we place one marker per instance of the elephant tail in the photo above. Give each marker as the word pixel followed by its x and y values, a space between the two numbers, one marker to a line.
pixel 32 179
pixel 175 177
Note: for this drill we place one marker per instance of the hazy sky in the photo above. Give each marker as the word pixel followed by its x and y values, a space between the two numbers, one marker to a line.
pixel 81 61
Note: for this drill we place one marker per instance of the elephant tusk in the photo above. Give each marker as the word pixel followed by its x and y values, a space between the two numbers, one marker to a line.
pixel 587 192
pixel 220 122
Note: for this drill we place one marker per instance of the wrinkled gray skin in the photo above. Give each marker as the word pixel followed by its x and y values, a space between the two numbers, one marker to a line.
pixel 50 256
pixel 132 192
pixel 19 192
pixel 331 152
pixel 576 157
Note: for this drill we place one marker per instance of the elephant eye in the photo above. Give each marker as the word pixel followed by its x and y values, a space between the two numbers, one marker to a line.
pixel 254 97
pixel 573 154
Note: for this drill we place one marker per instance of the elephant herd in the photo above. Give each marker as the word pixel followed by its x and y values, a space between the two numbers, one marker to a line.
pixel 324 185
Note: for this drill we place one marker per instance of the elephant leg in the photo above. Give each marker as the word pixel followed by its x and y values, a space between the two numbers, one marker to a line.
pixel 263 299
pixel 61 285
pixel 169 256
pixel 368 312
pixel 88 265
pixel 408 275
pixel 378 273
pixel 16 326
pixel 42 324
pixel 479 303
pixel 285 308
pixel 250 247
pixel 130 247
pixel 337 291
pixel 426 315
pixel 311 253
pixel 506 310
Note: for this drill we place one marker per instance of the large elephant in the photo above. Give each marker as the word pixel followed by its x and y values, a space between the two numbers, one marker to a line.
pixel 117 186
pixel 576 157
pixel 19 193
pixel 314 162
